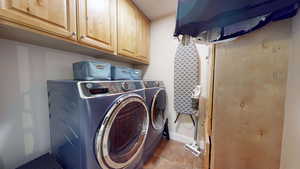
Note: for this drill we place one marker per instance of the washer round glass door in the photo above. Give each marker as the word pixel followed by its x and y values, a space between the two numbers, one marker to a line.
pixel 122 134
pixel 158 116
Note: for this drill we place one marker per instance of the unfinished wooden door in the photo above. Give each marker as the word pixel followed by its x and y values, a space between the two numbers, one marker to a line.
pixel 52 16
pixel 249 97
pixel 143 36
pixel 97 23
pixel 127 28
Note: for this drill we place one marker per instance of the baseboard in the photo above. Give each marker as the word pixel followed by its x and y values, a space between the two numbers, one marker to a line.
pixel 185 139
pixel 180 138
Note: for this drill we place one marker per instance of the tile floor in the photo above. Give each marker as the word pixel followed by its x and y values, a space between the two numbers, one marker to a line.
pixel 172 155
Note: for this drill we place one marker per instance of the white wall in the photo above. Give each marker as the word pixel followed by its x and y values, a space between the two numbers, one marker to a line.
pixel 162 54
pixel 24 122
pixel 290 157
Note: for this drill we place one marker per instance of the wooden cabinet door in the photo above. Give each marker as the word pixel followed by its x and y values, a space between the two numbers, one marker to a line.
pixel 57 17
pixel 143 37
pixel 127 28
pixel 97 23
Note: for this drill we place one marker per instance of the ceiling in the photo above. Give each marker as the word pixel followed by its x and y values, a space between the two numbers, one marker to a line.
pixel 154 9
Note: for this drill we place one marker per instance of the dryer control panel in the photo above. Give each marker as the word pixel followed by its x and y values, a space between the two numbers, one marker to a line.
pixel 94 88
pixel 153 84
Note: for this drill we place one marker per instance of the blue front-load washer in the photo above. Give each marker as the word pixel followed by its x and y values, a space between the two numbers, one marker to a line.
pixel 156 101
pixel 98 125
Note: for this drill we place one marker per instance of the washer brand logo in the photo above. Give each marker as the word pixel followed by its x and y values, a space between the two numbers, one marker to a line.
pixel 99 66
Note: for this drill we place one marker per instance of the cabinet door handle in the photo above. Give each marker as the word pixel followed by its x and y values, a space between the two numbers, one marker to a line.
pixel 39 2
pixel 73 35
pixel 82 37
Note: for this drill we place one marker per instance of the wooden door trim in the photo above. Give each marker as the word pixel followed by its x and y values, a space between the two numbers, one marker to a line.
pixel 206 161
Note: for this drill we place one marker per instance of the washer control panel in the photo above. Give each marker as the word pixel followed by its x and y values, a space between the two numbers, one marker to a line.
pixel 90 88
pixel 125 86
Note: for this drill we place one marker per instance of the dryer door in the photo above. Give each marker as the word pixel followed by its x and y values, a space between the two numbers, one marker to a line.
pixel 122 135
pixel 158 116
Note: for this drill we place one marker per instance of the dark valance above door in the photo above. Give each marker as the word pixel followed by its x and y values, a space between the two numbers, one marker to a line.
pixel 230 17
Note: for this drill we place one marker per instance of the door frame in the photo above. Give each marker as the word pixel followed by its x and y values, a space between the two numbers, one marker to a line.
pixel 206 122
